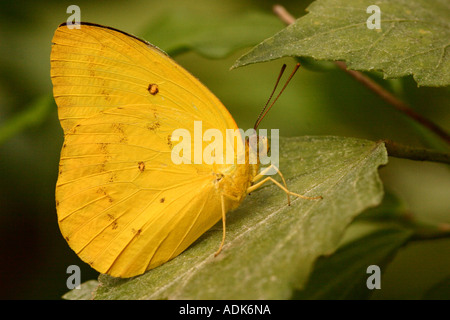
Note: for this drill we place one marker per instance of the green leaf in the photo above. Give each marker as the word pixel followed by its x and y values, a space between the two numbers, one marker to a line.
pixel 413 39
pixel 85 292
pixel 211 35
pixel 343 275
pixel 270 247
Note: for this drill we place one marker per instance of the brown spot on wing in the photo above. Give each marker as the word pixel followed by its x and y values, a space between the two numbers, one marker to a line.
pixel 105 95
pixel 169 141
pixel 118 128
pixel 153 126
pixel 153 88
pixel 102 167
pixel 101 190
pixel 113 177
pixel 103 147
pixel 136 232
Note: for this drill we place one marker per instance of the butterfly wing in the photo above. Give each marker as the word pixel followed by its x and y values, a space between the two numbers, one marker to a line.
pixel 123 205
pixel 96 68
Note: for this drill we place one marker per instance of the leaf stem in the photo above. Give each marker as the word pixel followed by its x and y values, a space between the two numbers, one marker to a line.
pixel 401 106
pixel 397 150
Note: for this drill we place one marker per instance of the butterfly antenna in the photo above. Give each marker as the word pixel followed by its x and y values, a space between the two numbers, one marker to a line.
pixel 271 95
pixel 265 109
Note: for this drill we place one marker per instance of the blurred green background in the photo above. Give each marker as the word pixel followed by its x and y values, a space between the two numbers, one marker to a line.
pixel 34 256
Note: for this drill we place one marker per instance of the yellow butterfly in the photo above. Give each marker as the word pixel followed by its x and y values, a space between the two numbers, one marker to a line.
pixel 123 206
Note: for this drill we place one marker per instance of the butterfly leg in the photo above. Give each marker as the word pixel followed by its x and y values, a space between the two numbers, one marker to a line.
pixel 263 173
pixel 284 188
pixel 222 200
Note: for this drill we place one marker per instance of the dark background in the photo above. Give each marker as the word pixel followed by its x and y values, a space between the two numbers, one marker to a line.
pixel 33 254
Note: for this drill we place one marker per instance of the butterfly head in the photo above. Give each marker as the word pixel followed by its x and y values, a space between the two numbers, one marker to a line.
pixel 256 146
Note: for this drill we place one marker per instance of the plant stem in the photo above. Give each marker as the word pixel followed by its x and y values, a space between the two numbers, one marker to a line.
pixel 397 150
pixel 421 236
pixel 393 101
pixel 286 17
pixel 283 14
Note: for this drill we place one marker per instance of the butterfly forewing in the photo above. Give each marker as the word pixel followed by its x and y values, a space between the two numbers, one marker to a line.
pixel 123 205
